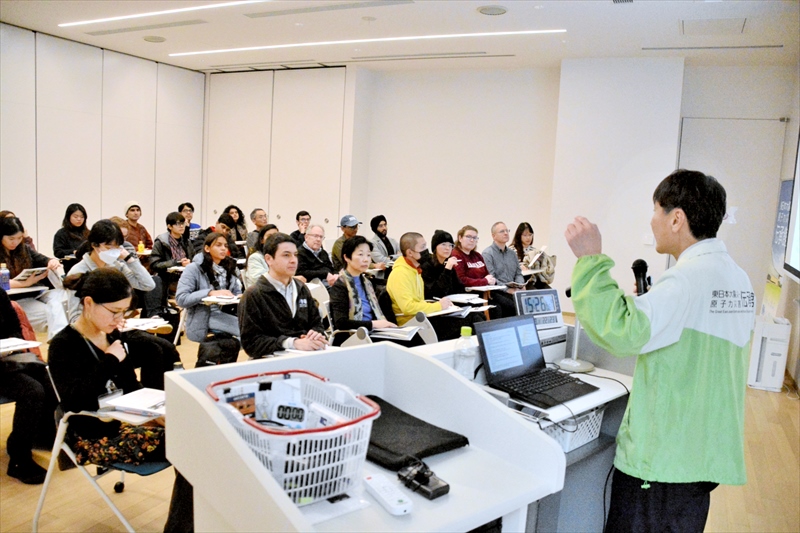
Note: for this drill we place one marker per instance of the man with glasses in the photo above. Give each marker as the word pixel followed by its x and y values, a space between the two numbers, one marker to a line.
pixel 192 229
pixel 503 264
pixel 299 235
pixel 313 260
pixel 171 250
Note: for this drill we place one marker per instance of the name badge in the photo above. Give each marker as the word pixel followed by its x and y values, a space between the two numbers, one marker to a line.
pixel 302 303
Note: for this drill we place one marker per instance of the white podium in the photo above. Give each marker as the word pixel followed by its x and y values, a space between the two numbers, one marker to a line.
pixel 508 464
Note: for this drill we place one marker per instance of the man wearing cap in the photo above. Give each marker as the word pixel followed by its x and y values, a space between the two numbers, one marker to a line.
pixel 384 248
pixel 349 225
pixel 136 232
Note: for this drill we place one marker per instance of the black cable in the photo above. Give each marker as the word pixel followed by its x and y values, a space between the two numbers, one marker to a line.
pixel 572 415
pixel 477 369
pixel 627 390
pixel 605 486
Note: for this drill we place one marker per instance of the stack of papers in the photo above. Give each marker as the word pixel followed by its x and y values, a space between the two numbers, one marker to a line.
pixel 13 344
pixel 460 312
pixel 404 334
pixel 148 403
pixel 29 272
pixel 465 298
pixel 487 288
pixel 221 300
pixel 143 324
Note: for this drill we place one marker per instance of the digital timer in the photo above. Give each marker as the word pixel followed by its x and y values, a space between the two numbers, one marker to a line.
pixel 543 305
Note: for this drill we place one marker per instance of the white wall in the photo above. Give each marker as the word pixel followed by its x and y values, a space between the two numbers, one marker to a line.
pixel 18 124
pixel 461 147
pixel 755 93
pixel 618 127
pixel 240 124
pixel 80 124
pixel 69 101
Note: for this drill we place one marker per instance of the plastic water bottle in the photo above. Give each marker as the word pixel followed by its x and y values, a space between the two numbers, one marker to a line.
pixel 465 354
pixel 5 277
pixel 177 366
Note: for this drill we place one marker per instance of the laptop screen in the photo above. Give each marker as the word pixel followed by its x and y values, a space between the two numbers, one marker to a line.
pixel 509 347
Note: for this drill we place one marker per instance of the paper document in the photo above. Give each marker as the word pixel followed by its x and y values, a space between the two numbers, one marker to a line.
pixel 144 402
pixel 13 344
pixel 487 288
pixel 29 272
pixel 176 269
pixel 537 256
pixel 465 298
pixel 143 324
pixel 221 300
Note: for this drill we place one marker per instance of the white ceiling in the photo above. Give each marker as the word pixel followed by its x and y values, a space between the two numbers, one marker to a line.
pixel 705 32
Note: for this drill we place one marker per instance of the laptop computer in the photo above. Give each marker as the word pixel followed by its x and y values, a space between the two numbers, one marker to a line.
pixel 513 361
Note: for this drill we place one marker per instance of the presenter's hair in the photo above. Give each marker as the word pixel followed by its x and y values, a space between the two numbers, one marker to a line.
pixel 408 241
pixel 175 218
pixel 701 197
pixel 273 241
pixel 349 246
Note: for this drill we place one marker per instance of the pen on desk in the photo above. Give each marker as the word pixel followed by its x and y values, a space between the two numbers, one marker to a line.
pixel 157 405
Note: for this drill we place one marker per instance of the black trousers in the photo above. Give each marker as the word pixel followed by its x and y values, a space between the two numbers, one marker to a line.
pixel 504 302
pixel 152 354
pixel 637 505
pixel 34 422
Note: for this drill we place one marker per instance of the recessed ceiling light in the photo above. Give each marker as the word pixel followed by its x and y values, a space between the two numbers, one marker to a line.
pixel 377 40
pixel 368 19
pixel 154 39
pixel 492 10
pixel 167 12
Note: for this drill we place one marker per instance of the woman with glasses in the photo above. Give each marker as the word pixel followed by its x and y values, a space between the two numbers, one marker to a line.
pixel 171 250
pixel 103 249
pixel 438 272
pixel 471 269
pixel 88 361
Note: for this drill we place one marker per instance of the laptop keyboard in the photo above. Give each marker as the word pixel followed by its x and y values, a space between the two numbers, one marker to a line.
pixel 541 381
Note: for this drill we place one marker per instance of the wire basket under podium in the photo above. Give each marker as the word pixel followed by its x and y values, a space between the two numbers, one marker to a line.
pixel 574 433
pixel 310 464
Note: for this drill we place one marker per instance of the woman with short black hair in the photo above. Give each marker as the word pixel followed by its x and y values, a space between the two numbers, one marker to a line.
pixel 71 235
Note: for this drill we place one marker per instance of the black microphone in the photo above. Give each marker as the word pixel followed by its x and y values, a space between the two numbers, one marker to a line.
pixel 640 273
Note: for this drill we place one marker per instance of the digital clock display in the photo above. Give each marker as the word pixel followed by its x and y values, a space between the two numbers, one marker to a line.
pixel 537 304
pixel 292 414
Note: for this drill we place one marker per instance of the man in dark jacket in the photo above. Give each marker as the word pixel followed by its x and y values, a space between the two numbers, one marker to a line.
pixel 313 260
pixel 225 225
pixel 278 312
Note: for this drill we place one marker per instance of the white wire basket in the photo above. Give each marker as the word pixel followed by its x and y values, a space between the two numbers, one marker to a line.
pixel 310 464
pixel 573 433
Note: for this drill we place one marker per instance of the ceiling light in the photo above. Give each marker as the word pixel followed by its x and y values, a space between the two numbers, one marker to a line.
pixel 492 10
pixel 154 39
pixel 167 12
pixel 377 40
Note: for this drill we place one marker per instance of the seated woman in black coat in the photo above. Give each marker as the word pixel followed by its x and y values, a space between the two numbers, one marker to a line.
pixel 353 300
pixel 438 272
pixel 87 361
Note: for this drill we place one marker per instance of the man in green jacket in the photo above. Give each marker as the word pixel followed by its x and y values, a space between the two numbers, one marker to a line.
pixel 683 430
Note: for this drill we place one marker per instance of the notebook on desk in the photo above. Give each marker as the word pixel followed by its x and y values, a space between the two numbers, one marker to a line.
pixel 513 361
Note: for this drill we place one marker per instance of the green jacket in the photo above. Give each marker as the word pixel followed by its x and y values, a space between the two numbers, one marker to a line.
pixel 691 335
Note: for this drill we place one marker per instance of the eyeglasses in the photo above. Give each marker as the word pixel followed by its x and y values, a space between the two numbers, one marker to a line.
pixel 502 231
pixel 115 314
pixel 180 224
pixel 315 236
pixel 471 237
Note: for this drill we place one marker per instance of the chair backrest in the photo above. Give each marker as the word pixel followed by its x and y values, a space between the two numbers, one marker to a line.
pixel 426 332
pixel 385 301
pixel 361 336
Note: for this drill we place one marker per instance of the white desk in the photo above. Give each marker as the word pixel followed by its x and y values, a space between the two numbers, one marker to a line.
pixel 492 477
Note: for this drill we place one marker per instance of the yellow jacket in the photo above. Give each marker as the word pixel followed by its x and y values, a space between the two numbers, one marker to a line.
pixel 407 290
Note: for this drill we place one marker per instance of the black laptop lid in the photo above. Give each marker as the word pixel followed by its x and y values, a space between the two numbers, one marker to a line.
pixel 509 347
